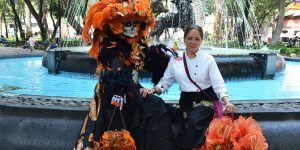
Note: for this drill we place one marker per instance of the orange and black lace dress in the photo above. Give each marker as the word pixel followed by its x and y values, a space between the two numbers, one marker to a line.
pixel 120 58
pixel 145 117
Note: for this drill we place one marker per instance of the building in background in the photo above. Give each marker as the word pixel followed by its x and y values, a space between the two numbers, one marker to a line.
pixel 291 23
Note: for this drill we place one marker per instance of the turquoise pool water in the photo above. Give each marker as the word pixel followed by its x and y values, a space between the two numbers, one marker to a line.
pixel 29 75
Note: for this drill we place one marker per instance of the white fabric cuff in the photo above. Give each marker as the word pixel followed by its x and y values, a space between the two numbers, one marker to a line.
pixel 160 86
pixel 223 94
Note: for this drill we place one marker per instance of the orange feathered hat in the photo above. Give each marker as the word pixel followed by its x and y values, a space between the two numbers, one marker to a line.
pixel 112 14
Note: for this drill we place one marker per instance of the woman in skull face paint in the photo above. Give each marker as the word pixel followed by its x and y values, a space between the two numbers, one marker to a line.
pixel 118 33
pixel 130 28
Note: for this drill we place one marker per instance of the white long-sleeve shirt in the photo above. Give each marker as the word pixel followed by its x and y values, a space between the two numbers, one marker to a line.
pixel 203 70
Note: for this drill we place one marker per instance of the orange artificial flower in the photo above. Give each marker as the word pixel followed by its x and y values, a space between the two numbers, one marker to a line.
pixel 242 134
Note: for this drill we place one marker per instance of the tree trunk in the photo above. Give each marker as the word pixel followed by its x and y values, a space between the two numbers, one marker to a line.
pixel 44 18
pixel 1 23
pixel 58 22
pixel 278 28
pixel 17 21
pixel 28 23
pixel 217 23
pixel 231 28
pixel 5 24
pixel 38 17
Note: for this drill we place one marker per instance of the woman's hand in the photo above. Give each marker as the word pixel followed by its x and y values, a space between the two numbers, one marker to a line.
pixel 144 91
pixel 229 108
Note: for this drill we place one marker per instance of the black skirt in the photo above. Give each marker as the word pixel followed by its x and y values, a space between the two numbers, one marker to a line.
pixel 146 118
pixel 147 121
pixel 195 119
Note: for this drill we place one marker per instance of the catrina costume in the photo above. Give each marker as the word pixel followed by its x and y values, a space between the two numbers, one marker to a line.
pixel 118 33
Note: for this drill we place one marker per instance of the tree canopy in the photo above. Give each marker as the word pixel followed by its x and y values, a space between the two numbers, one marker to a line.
pixel 237 16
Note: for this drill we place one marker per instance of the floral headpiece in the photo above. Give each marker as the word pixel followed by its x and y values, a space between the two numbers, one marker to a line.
pixel 108 16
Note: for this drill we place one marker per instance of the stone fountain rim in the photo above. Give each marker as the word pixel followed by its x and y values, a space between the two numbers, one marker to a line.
pixel 73 103
pixel 77 108
pixel 215 51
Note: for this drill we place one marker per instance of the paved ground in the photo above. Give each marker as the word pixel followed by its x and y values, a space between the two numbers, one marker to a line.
pixel 11 52
pixel 291 105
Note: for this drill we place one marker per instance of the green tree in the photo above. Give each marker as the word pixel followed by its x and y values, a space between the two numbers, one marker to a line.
pixel 40 16
pixel 28 23
pixel 276 32
pixel 56 13
pixel 209 7
pixel 217 23
pixel 17 20
pixel 263 12
pixel 4 13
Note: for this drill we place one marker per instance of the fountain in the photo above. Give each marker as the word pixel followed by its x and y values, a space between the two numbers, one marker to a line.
pixel 53 122
pixel 248 64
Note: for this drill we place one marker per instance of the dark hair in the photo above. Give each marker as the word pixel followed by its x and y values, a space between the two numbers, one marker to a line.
pixel 191 27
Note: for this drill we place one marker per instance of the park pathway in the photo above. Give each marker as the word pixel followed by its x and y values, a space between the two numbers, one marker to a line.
pixel 16 52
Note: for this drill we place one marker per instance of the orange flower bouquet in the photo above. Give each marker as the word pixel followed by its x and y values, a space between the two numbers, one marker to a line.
pixel 219 134
pixel 242 134
pixel 250 135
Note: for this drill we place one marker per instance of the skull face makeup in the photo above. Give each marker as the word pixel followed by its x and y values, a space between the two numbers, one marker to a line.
pixel 130 28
